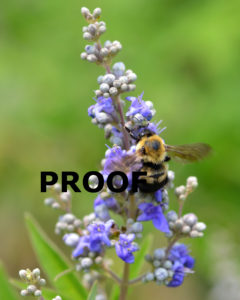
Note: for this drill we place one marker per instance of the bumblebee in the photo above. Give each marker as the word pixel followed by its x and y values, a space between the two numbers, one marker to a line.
pixel 154 154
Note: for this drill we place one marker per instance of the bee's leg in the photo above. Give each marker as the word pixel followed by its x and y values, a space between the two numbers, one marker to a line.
pixel 167 158
pixel 131 134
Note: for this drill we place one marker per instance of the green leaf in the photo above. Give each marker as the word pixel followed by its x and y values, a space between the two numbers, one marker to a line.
pixel 93 293
pixel 139 257
pixel 115 293
pixel 47 293
pixel 6 291
pixel 53 262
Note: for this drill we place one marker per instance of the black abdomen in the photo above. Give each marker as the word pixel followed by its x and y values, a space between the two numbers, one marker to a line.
pixel 155 179
pixel 152 187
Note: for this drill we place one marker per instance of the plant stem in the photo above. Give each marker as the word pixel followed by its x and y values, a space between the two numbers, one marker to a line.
pixel 132 207
pixel 171 244
pixel 124 284
pixel 107 67
pixel 119 106
pixel 180 208
pixel 124 131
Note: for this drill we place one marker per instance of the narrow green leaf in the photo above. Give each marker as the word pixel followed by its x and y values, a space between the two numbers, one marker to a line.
pixel 139 257
pixel 115 293
pixel 6 291
pixel 53 262
pixel 93 293
pixel 47 293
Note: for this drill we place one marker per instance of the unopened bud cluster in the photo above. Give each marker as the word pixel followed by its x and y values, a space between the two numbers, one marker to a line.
pixel 67 223
pixel 183 191
pixel 96 53
pixel 59 200
pixel 187 226
pixel 134 227
pixel 34 282
pixel 85 263
pixel 162 269
pixel 89 278
pixel 117 82
pixel 91 17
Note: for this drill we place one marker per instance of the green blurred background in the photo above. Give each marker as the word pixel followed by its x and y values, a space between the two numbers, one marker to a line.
pixel 186 56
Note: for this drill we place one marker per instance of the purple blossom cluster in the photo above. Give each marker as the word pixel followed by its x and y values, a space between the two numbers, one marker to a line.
pixel 182 264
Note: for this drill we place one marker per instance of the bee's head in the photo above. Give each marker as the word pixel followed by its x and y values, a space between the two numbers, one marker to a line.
pixel 151 148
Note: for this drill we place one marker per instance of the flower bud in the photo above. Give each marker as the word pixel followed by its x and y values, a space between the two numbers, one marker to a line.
pixel 37 293
pixel 85 11
pixel 86 262
pixel 104 87
pixel 180 190
pixel 190 219
pixel 31 289
pixel 24 293
pixel 23 274
pixel 172 216
pixel 159 253
pixel 200 226
pixel 71 239
pixel 91 58
pixel 161 273
pixel 192 182
pixel 97 12
pixel 87 36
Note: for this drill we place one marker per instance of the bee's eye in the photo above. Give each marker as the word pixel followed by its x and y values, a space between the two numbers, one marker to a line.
pixel 143 150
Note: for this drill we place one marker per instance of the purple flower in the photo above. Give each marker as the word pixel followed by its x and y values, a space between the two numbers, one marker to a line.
pixel 138 130
pixel 99 235
pixel 180 255
pixel 182 263
pixel 83 244
pixel 125 247
pixel 177 279
pixel 97 238
pixel 112 204
pixel 155 127
pixel 138 106
pixel 158 196
pixel 154 214
pixel 121 160
pixel 102 105
pixel 101 207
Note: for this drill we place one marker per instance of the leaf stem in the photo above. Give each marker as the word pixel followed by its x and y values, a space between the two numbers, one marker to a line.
pixel 136 280
pixel 112 274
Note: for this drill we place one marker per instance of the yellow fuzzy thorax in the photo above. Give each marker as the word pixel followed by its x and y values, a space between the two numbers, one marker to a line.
pixel 151 149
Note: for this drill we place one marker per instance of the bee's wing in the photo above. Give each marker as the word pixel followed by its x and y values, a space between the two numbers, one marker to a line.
pixel 189 152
